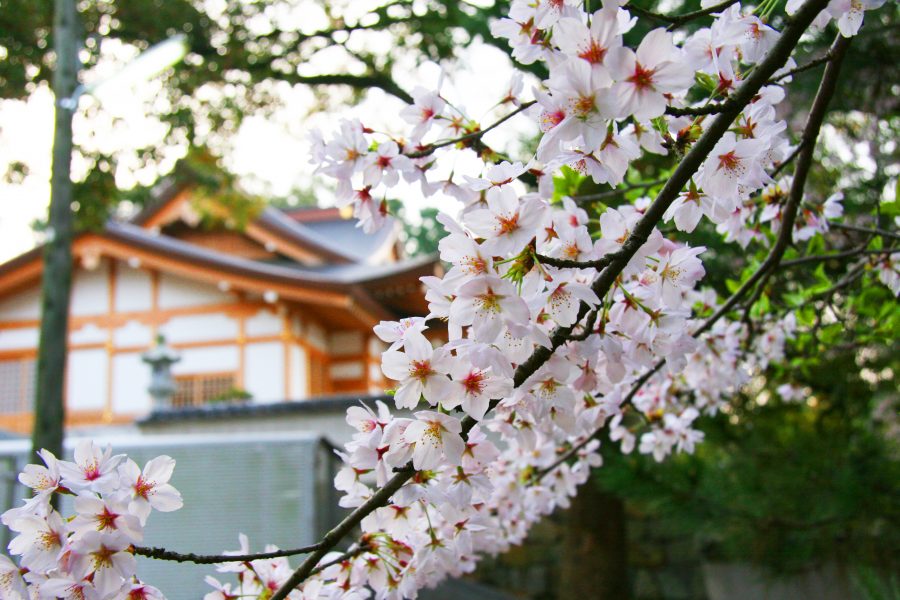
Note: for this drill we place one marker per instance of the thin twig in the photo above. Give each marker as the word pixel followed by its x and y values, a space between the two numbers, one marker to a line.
pixel 843 282
pixel 676 21
pixel 804 67
pixel 803 260
pixel 209 559
pixel 354 551
pixel 588 327
pixel 788 160
pixel 870 230
pixel 430 148
pixel 619 191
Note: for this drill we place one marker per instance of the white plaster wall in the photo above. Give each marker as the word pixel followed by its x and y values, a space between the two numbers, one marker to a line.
pixel 198 328
pixel 347 343
pixel 131 378
pixel 375 378
pixel 263 323
pixel 376 346
pixel 133 333
pixel 88 334
pixel 178 292
pixel 297 325
pixel 86 380
pixel 24 337
pixel 24 305
pixel 316 336
pixel 213 359
pixel 299 373
pixel 264 374
pixel 134 289
pixel 347 370
pixel 90 291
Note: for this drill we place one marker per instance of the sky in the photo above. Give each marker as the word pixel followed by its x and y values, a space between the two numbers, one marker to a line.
pixel 269 153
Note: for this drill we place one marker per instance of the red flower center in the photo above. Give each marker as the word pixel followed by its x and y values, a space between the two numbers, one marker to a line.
pixel 729 161
pixel 420 369
pixel 594 53
pixel 508 224
pixel 474 382
pixel 642 78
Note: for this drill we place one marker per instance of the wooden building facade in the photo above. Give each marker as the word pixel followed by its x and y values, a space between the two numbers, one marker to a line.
pixel 279 310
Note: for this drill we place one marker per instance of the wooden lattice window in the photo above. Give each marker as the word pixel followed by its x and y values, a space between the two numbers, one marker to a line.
pixel 17 380
pixel 202 388
pixel 319 378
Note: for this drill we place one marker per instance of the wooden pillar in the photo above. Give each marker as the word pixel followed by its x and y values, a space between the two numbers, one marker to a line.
pixel 110 332
pixel 286 344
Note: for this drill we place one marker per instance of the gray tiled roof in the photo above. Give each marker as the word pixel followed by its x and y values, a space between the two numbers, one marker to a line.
pixel 289 272
pixel 353 240
pixel 242 410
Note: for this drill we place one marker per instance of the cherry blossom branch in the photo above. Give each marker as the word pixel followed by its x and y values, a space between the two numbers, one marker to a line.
pixel 689 165
pixel 676 21
pixel 354 551
pixel 430 148
pixel 341 530
pixel 209 559
pixel 692 161
pixel 809 136
pixel 804 162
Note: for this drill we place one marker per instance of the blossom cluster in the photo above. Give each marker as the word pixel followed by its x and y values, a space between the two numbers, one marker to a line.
pixel 88 555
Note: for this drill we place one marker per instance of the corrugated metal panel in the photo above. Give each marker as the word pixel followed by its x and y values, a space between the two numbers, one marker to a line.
pixel 270 487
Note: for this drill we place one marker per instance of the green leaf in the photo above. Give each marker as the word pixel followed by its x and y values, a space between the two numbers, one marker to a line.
pixel 566 183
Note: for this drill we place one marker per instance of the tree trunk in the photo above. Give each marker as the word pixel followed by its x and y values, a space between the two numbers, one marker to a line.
pixel 594 549
pixel 49 410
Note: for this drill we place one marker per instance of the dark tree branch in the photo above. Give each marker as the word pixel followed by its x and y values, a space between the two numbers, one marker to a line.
pixel 588 327
pixel 565 263
pixel 381 81
pixel 341 530
pixel 710 109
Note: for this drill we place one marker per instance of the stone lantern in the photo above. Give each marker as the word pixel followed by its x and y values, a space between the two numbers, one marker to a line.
pixel 162 386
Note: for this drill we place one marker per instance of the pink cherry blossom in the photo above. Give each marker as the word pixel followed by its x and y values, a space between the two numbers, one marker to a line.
pixel 436 439
pixel 421 370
